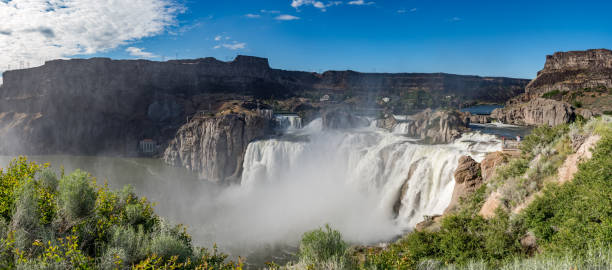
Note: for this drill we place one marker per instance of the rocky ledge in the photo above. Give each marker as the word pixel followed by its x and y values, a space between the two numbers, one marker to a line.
pixel 437 126
pixel 214 146
pixel 538 111
pixel 574 70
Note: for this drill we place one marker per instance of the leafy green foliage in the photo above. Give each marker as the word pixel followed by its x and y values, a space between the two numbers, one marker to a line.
pixel 77 197
pixel 554 94
pixel 571 222
pixel 322 245
pixel 75 224
pixel 579 213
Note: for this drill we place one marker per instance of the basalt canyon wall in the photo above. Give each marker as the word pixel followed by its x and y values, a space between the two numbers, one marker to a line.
pixel 574 70
pixel 570 84
pixel 99 105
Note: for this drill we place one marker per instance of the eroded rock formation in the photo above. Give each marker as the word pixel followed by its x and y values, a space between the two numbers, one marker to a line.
pixel 437 126
pixel 214 146
pixel 538 111
pixel 468 178
pixel 574 70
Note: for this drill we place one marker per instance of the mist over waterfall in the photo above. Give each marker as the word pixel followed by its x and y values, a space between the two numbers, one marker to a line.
pixel 368 183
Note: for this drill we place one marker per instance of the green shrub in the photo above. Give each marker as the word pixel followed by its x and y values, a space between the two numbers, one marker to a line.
pixel 541 137
pixel 577 104
pixel 554 94
pixel 322 245
pixel 95 227
pixel 10 179
pixel 133 242
pixel 167 245
pixel 48 179
pixel 577 215
pixel 77 197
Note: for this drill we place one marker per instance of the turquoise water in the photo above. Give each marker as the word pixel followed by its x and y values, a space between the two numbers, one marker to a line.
pixel 481 109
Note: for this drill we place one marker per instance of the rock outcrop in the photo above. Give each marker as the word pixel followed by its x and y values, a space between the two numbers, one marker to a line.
pixel 574 70
pixel 437 126
pixel 468 178
pixel 214 146
pixel 388 122
pixel 538 111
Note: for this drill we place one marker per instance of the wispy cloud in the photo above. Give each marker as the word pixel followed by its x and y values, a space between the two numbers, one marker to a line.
pixel 37 30
pixel 455 19
pixel 317 4
pixel 252 16
pixel 286 17
pixel 232 46
pixel 401 11
pixel 269 11
pixel 361 3
pixel 140 52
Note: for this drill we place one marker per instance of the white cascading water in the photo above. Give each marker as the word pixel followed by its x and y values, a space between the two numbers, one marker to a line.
pixel 289 122
pixel 376 164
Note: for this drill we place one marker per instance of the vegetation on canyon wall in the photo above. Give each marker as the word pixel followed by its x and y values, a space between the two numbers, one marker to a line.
pixel 565 225
pixel 70 222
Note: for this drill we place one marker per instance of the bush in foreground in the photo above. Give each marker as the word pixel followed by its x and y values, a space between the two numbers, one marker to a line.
pixel 72 223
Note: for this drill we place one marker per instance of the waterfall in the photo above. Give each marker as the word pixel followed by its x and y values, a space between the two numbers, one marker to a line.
pixel 290 122
pixel 404 180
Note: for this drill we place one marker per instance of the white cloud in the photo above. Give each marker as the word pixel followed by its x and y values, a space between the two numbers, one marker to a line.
pixel 286 17
pixel 217 38
pixel 32 31
pixel 252 16
pixel 360 3
pixel 232 46
pixel 455 19
pixel 140 52
pixel 404 10
pixel 270 11
pixel 317 4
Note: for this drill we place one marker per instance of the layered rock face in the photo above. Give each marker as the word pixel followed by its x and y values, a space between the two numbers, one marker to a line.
pixel 538 111
pixel 575 70
pixel 468 178
pixel 437 126
pixel 99 105
pixel 214 146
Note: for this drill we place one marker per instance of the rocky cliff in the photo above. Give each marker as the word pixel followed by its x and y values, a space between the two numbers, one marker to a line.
pixel 99 105
pixel 571 83
pixel 574 70
pixel 214 146
pixel 536 112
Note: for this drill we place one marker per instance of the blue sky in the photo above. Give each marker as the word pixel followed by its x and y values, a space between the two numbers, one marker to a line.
pixel 488 38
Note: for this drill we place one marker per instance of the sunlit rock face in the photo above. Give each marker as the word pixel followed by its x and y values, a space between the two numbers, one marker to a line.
pixel 538 111
pixel 574 70
pixel 214 146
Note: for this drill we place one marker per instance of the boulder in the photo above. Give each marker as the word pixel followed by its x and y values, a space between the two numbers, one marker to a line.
pixel 437 127
pixel 388 122
pixel 468 178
